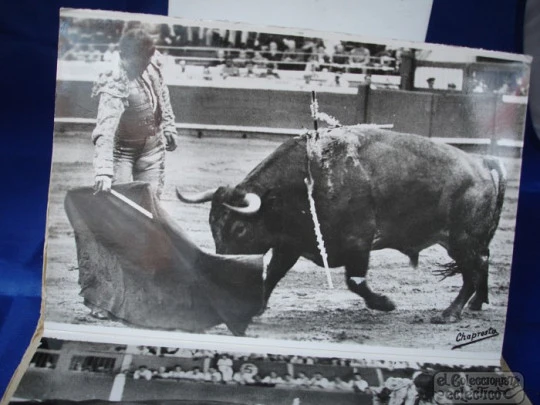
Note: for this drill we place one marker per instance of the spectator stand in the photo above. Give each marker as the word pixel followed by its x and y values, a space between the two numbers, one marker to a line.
pixel 265 367
pixel 230 72
pixel 121 373
pixel 155 362
pixel 255 54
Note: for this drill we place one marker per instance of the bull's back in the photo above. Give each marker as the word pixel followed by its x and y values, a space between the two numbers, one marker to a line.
pixel 414 186
pixel 397 188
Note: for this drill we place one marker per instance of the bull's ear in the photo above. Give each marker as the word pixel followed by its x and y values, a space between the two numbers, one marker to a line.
pixel 273 211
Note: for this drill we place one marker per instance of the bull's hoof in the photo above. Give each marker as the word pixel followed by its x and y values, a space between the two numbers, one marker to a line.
pixel 445 318
pixel 380 303
pixel 99 314
pixel 237 330
pixel 475 305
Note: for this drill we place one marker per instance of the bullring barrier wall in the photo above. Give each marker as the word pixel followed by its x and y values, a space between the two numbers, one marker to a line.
pixel 73 386
pixel 47 384
pixel 474 117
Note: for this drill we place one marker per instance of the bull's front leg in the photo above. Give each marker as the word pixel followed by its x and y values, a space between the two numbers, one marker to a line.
pixel 356 268
pixel 282 261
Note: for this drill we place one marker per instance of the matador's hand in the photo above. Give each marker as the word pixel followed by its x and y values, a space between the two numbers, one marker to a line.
pixel 102 183
pixel 171 141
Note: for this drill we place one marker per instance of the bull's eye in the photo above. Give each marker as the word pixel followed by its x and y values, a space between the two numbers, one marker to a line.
pixel 238 229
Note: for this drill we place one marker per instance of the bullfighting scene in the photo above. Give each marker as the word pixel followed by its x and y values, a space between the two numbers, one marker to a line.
pixel 372 189
pixel 358 203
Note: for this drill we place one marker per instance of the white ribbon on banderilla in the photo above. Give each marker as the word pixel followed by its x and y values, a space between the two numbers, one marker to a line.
pixel 310 145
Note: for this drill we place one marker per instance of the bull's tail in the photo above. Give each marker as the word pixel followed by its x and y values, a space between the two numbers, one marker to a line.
pixel 498 173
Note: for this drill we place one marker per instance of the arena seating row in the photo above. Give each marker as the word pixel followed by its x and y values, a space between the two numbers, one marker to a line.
pixel 264 367
pixel 206 56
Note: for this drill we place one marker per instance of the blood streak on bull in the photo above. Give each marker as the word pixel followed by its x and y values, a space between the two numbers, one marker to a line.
pixel 390 190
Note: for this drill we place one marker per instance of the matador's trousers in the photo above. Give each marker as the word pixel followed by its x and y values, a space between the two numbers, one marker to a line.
pixel 141 160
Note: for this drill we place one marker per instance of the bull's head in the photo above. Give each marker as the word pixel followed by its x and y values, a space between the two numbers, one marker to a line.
pixel 236 220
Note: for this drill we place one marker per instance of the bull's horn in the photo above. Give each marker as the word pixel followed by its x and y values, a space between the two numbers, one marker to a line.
pixel 201 197
pixel 253 204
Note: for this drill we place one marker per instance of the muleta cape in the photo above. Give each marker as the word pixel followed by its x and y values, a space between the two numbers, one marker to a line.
pixel 147 272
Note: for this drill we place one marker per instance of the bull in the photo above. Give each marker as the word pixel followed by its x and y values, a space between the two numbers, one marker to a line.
pixel 373 189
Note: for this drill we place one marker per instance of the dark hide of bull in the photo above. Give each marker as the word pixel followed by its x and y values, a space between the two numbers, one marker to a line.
pixel 373 189
pixel 148 273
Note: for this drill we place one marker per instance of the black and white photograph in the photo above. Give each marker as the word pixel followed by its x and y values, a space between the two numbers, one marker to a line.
pixel 63 371
pixel 278 185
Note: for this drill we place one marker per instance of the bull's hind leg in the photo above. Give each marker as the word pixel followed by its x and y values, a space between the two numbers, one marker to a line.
pixel 453 312
pixel 481 283
pixel 472 228
pixel 473 267
pixel 356 267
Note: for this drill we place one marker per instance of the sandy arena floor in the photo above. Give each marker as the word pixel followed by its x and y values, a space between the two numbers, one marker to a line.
pixel 301 307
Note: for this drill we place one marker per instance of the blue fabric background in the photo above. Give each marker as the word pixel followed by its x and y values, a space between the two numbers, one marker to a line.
pixel 28 33
pixel 498 25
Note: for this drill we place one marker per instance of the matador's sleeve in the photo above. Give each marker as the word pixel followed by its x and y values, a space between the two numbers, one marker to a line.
pixel 168 118
pixel 109 112
pixel 168 122
pixel 112 90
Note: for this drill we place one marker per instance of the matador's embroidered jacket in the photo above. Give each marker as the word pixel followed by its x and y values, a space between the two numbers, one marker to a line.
pixel 129 110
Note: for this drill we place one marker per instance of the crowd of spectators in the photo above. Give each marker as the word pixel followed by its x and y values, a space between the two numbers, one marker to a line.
pixel 386 382
pixel 398 382
pixel 213 54
pixel 290 359
pixel 95 40
pixel 245 369
pixel 515 86
pixel 173 352
pixel 248 375
pixel 415 388
pixel 312 56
